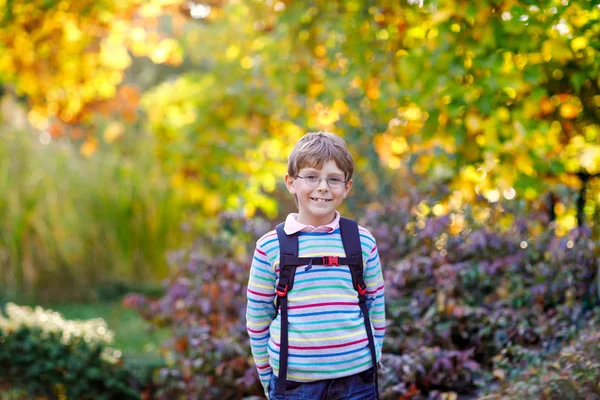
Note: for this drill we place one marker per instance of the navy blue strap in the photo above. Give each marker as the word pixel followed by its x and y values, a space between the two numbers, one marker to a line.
pixel 289 260
pixel 288 248
pixel 353 249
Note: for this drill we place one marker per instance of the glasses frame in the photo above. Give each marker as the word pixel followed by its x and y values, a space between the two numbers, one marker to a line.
pixel 316 184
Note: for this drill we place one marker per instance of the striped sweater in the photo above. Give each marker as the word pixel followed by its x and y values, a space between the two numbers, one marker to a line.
pixel 327 336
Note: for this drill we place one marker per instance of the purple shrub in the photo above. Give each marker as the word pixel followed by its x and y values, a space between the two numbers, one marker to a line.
pixel 457 302
pixel 204 306
pixel 481 290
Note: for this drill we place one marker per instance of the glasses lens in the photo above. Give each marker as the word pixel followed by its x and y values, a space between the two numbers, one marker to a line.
pixel 335 182
pixel 313 180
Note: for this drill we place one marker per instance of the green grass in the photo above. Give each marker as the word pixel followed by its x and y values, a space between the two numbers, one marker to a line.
pixel 133 335
pixel 74 222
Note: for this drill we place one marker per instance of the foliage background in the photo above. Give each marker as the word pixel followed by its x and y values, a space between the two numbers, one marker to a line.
pixel 134 130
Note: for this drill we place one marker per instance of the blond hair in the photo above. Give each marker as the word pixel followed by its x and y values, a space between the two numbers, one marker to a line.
pixel 315 149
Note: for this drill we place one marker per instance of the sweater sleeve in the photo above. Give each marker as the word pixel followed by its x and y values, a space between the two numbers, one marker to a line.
pixel 260 312
pixel 373 277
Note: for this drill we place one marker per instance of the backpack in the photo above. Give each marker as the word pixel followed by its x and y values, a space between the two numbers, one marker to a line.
pixel 289 260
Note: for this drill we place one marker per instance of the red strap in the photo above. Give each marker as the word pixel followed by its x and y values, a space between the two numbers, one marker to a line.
pixel 362 290
pixel 331 260
pixel 284 293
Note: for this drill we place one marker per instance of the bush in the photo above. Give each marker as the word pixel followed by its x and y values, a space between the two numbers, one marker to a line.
pixel 431 370
pixel 469 301
pixel 204 306
pixel 45 355
pixel 572 374
pixel 484 288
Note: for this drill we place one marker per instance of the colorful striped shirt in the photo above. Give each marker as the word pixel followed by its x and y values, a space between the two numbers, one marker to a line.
pixel 327 336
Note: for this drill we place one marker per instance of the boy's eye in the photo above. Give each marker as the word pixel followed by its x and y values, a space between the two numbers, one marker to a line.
pixel 335 181
pixel 312 178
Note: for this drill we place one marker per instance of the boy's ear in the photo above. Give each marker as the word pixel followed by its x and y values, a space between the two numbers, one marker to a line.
pixel 289 182
pixel 347 188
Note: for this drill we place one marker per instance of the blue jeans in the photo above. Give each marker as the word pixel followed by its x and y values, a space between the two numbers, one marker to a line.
pixel 354 387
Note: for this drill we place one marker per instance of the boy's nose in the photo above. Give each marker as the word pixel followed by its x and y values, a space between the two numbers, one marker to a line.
pixel 323 185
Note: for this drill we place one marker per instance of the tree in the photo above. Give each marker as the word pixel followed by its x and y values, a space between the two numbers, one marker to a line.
pixel 493 99
pixel 498 98
pixel 67 59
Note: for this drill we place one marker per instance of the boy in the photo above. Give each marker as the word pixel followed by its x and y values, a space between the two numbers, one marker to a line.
pixel 330 349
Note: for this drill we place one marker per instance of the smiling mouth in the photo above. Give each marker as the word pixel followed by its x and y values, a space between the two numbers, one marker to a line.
pixel 320 200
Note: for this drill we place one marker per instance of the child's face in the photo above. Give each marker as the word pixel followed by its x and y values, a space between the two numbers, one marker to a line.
pixel 318 199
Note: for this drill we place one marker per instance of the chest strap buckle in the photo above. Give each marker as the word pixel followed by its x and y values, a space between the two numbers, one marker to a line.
pixel 331 260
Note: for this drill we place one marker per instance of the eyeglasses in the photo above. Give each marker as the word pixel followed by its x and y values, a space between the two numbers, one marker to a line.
pixel 314 180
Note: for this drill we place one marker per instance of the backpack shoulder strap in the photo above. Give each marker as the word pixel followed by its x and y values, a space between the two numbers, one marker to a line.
pixel 353 249
pixel 288 250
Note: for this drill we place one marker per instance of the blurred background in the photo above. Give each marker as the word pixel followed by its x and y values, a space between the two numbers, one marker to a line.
pixel 142 153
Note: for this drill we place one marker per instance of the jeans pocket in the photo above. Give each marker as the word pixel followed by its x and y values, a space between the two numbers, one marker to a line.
pixel 290 386
pixel 367 377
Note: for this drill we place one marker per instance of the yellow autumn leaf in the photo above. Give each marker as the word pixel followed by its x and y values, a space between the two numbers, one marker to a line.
pixel 340 107
pixel 211 203
pixel 569 111
pixel 249 210
pixel 373 92
pixel 556 49
pixel 469 173
pixel 114 55
pixel 591 132
pixel 580 18
pixel 315 89
pixel 439 209
pixel 422 166
pixel 246 62
pixel 565 223
pixel 590 159
pixel 268 182
pixel 524 164
pixel 113 131
pixel 232 52
pixel 177 180
pixel 320 50
pixel 473 122
pixel 353 119
pixel 327 117
pixel 268 205
pixel 503 114
pixel 493 195
pixel 579 43
pixel 441 16
pixel 89 147
pixel 412 113
pixel 160 53
pixel 535 58
pixel 399 145
pixel 195 193
pixel 382 146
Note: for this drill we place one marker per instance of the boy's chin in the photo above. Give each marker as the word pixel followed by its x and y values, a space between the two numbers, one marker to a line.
pixel 321 209
pixel 318 211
